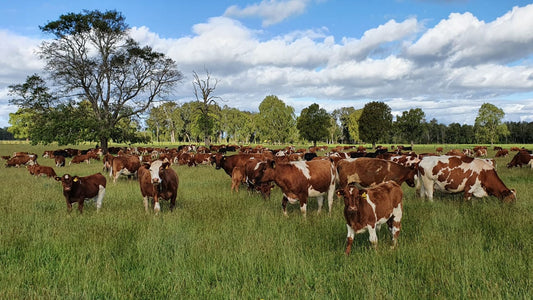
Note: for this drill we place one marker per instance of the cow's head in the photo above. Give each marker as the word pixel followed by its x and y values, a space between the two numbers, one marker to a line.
pixel 217 159
pixel 68 181
pixel 352 196
pixel 156 168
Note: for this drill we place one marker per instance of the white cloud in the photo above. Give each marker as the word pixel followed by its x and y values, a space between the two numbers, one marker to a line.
pixel 271 11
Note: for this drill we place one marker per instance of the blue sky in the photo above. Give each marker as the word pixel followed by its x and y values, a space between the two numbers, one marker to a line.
pixel 447 57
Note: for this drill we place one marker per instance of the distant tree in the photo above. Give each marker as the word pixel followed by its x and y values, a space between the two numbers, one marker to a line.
pixel 237 125
pixel 488 125
pixel 352 124
pixel 276 121
pixel 342 117
pixel 6 135
pixel 93 58
pixel 203 91
pixel 410 124
pixel 164 121
pixel 375 122
pixel 313 123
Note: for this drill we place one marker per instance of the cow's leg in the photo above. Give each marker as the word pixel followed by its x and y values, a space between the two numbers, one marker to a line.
pixel 100 197
pixel 69 206
pixel 157 208
pixel 80 205
pixel 349 239
pixel 331 192
pixel 427 188
pixel 303 205
pixel 145 202
pixel 284 205
pixel 394 227
pixel 372 236
pixel 320 200
pixel 172 202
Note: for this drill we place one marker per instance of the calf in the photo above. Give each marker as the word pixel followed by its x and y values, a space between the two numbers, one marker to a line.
pixel 78 189
pixel 42 170
pixel 300 180
pixel 367 209
pixel 59 160
pixel 124 165
pixel 158 180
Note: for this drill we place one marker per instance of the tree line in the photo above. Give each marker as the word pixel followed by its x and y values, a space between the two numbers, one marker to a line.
pixel 106 87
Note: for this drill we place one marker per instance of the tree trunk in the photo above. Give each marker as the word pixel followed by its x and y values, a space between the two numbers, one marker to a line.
pixel 104 145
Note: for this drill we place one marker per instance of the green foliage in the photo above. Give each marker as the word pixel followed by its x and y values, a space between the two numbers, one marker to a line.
pixel 314 123
pixel 218 244
pixel 352 124
pixel 488 126
pixel 342 116
pixel 375 122
pixel 275 120
pixel 410 124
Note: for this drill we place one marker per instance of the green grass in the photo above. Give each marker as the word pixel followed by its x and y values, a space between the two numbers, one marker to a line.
pixel 223 245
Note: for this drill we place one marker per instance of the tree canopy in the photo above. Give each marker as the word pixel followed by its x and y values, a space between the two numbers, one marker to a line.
pixel 275 120
pixel 314 123
pixel 375 123
pixel 410 124
pixel 488 126
pixel 92 58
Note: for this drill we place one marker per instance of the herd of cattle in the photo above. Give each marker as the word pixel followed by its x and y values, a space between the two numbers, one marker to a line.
pixel 369 182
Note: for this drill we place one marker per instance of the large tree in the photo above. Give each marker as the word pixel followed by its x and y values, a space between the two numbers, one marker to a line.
pixel 275 120
pixel 410 124
pixel 93 57
pixel 203 91
pixel 375 122
pixel 488 126
pixel 314 123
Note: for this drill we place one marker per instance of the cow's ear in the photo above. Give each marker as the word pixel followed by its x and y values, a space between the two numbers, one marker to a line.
pixel 75 179
pixel 57 178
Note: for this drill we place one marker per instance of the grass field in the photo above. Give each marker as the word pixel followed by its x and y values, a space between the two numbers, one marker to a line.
pixel 219 245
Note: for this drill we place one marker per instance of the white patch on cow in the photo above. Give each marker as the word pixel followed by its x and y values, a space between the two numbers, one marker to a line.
pixel 154 170
pixel 351 232
pixel 291 200
pixel 145 202
pixel 303 209
pixel 66 176
pixel 100 197
pixel 157 208
pixel 303 167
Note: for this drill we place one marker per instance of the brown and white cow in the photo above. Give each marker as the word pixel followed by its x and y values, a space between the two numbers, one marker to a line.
pixel 59 160
pixel 366 209
pixel 453 174
pixel 158 180
pixel 78 189
pixel 21 160
pixel 366 171
pixel 300 180
pixel 124 165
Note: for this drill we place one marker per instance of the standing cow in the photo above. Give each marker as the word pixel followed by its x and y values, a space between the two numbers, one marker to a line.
pixel 78 189
pixel 367 209
pixel 454 174
pixel 158 180
pixel 366 171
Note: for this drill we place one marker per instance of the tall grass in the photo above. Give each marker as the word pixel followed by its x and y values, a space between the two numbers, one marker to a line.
pixel 223 245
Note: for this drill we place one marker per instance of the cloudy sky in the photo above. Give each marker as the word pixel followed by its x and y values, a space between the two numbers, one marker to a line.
pixel 447 57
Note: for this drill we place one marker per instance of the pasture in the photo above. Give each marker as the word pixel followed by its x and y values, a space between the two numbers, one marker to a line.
pixel 222 245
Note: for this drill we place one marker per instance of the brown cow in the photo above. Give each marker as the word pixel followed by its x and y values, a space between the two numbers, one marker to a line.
pixel 124 165
pixel 521 158
pixel 452 174
pixel 78 189
pixel 366 171
pixel 42 170
pixel 300 180
pixel 367 209
pixel 80 158
pixel 502 153
pixel 21 160
pixel 59 160
pixel 158 180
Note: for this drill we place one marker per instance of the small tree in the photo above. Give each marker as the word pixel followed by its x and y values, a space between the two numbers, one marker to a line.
pixel 410 124
pixel 203 91
pixel 313 123
pixel 488 125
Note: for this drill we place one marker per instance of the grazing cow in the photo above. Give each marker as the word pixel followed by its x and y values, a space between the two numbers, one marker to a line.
pixel 20 160
pixel 439 150
pixel 367 209
pixel 227 163
pixel 366 172
pixel 502 153
pixel 78 189
pixel 521 158
pixel 124 165
pixel 452 174
pixel 158 180
pixel 300 180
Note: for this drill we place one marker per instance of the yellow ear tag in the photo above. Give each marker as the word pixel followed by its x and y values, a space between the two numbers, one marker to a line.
pixel 167 167
pixel 364 196
pixel 75 179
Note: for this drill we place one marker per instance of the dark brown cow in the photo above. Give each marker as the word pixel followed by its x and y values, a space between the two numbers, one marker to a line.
pixel 300 180
pixel 124 165
pixel 22 160
pixel 227 163
pixel 453 174
pixel 78 189
pixel 59 160
pixel 521 158
pixel 158 180
pixel 367 209
pixel 366 172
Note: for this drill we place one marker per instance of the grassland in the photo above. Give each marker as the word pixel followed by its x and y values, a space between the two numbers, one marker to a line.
pixel 219 245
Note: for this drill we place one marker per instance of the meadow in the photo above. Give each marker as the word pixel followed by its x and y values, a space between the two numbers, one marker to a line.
pixel 222 245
